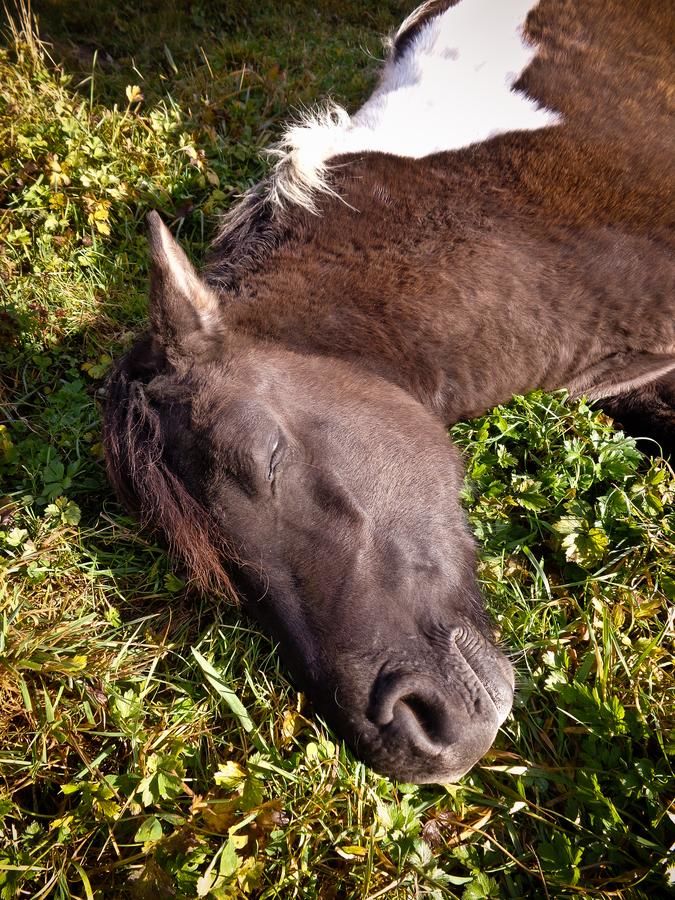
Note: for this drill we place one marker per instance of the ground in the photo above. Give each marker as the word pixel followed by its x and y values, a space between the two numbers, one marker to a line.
pixel 150 743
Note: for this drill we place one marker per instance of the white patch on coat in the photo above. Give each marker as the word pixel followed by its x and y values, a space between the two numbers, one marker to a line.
pixel 449 88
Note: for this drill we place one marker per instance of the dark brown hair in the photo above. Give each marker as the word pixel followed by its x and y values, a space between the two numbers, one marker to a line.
pixel 144 481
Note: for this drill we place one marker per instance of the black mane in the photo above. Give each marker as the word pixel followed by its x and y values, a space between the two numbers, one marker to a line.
pixel 248 234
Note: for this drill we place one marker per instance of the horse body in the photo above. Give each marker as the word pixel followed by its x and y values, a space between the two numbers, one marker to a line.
pixel 441 284
pixel 535 259
pixel 283 421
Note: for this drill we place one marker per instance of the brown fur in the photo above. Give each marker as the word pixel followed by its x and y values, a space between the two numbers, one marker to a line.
pixel 546 233
pixel 411 27
pixel 293 441
pixel 134 437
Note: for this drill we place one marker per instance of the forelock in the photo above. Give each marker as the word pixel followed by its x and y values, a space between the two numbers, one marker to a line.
pixel 140 472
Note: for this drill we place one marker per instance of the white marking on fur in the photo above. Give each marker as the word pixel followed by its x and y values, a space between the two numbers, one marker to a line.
pixel 451 87
pixel 303 153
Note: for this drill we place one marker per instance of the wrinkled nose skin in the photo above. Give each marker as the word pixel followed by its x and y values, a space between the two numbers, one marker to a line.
pixel 433 724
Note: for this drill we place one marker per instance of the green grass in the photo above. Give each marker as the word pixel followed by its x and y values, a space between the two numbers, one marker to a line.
pixel 150 744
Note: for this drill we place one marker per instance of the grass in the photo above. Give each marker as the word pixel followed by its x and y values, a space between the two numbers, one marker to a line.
pixel 150 744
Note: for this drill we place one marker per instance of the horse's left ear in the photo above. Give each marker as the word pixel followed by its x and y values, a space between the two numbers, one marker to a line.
pixel 185 313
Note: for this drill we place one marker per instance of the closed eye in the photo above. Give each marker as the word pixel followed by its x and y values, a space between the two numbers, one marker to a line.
pixel 278 452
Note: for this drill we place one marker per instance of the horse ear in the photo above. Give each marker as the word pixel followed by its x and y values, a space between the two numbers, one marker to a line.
pixel 185 313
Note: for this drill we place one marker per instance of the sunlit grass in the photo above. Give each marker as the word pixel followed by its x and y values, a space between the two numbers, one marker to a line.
pixel 150 744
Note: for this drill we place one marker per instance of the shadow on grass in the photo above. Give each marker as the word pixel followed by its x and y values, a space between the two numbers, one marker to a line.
pixel 318 47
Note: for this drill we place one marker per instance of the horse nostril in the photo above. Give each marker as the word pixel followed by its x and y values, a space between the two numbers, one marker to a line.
pixel 431 726
pixel 427 717
pixel 413 709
